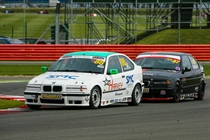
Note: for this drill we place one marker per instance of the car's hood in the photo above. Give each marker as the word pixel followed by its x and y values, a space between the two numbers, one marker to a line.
pixel 65 78
pixel 158 74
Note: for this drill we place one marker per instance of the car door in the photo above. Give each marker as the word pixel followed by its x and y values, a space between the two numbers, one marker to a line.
pixel 187 77
pixel 114 84
pixel 128 70
pixel 197 74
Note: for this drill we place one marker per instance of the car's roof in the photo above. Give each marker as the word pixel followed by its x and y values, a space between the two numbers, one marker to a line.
pixel 12 40
pixel 90 53
pixel 3 38
pixel 165 53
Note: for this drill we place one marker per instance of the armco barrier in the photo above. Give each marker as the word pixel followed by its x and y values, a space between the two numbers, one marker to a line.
pixel 53 52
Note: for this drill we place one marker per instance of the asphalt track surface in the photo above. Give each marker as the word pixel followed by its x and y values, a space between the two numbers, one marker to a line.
pixel 186 120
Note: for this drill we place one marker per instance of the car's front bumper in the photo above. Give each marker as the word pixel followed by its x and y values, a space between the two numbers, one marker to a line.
pixel 158 93
pixel 65 99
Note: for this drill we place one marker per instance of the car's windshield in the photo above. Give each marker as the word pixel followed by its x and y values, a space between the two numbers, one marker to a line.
pixel 79 64
pixel 166 62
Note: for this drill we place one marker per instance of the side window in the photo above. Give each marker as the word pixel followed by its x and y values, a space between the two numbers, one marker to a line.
pixel 186 62
pixel 194 63
pixel 127 65
pixel 113 63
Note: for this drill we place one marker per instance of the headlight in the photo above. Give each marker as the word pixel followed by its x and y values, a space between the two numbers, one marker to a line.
pixel 76 88
pixel 162 82
pixel 33 87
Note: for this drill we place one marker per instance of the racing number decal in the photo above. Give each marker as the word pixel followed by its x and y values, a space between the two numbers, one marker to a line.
pixel 99 62
pixel 122 61
pixel 173 60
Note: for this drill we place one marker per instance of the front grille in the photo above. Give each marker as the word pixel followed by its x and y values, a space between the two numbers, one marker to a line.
pixel 47 88
pixel 52 101
pixel 52 88
pixel 57 88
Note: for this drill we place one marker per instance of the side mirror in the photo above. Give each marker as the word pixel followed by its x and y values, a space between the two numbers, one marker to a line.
pixel 113 71
pixel 44 68
pixel 186 69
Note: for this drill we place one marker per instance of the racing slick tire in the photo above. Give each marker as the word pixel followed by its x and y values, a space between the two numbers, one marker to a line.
pixel 34 107
pixel 200 92
pixel 136 96
pixel 95 98
pixel 177 93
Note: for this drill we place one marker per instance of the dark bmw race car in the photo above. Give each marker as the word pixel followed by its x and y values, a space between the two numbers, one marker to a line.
pixel 171 76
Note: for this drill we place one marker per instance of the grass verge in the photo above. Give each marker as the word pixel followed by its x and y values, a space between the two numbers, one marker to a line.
pixel 207 69
pixel 33 70
pixel 4 104
pixel 25 70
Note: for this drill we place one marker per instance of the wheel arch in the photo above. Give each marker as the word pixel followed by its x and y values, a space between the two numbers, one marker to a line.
pixel 99 87
pixel 204 84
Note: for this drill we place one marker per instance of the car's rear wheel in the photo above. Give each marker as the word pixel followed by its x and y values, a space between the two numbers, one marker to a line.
pixel 34 107
pixel 95 98
pixel 136 96
pixel 200 92
pixel 177 93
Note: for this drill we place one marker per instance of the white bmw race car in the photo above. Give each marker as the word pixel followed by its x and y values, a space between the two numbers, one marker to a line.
pixel 90 78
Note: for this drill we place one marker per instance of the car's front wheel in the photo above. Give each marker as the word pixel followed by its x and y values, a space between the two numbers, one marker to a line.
pixel 34 107
pixel 95 98
pixel 177 93
pixel 136 96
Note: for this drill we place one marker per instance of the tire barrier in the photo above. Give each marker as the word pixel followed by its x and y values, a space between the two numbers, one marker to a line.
pixel 48 52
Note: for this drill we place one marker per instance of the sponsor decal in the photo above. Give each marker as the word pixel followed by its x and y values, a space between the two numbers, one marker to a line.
pixel 178 68
pixel 129 79
pixel 129 99
pixel 111 101
pixel 115 86
pixel 195 95
pixel 196 88
pixel 162 92
pixel 116 100
pixel 62 77
pixel 182 97
pixel 107 102
pixel 158 56
pixel 96 57
pixel 124 99
pixel 106 82
pixel 100 66
pixel 149 74
pixel 103 102
pixel 118 94
pixel 51 96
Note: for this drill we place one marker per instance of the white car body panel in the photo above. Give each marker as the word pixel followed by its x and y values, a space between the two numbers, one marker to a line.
pixel 66 85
